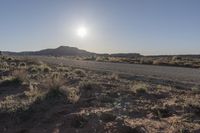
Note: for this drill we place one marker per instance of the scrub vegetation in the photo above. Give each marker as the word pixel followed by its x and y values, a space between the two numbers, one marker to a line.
pixel 45 98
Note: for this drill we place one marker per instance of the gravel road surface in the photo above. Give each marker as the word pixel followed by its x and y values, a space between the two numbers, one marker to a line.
pixel 180 74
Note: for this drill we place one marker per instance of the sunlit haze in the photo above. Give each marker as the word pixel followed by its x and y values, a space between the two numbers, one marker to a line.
pixel 82 32
pixel 148 27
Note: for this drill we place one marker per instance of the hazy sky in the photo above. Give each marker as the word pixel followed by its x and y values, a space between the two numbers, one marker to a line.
pixel 144 26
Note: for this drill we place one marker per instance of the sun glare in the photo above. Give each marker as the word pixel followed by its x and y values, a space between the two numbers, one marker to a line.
pixel 82 32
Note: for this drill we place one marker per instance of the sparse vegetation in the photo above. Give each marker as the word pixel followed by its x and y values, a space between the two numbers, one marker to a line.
pixel 182 61
pixel 91 101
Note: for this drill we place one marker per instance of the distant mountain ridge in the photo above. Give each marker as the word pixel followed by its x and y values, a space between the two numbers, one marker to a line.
pixel 60 51
pixel 66 51
pixel 73 51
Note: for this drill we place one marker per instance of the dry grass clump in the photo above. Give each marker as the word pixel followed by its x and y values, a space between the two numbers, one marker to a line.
pixel 55 87
pixel 114 76
pixel 13 64
pixel 87 89
pixel 20 74
pixel 80 72
pixel 10 59
pixel 140 88
pixel 34 69
pixel 54 82
pixel 46 69
pixel 195 89
pixel 39 99
pixel 72 93
pixel 59 95
pixel 4 65
pixel 33 91
pixel 22 65
pixel 14 103
pixel 63 69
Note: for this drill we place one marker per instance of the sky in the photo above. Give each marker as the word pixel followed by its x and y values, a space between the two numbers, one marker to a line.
pixel 149 27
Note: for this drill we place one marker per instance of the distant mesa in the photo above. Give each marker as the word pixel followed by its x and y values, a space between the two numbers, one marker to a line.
pixel 60 51
pixel 66 51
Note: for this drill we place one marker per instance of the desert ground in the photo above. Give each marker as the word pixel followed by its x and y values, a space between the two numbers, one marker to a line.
pixel 56 95
pixel 191 61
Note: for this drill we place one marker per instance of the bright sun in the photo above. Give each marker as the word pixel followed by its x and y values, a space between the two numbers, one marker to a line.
pixel 82 32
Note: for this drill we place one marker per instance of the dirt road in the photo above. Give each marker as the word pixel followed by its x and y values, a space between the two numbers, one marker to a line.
pixel 187 75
